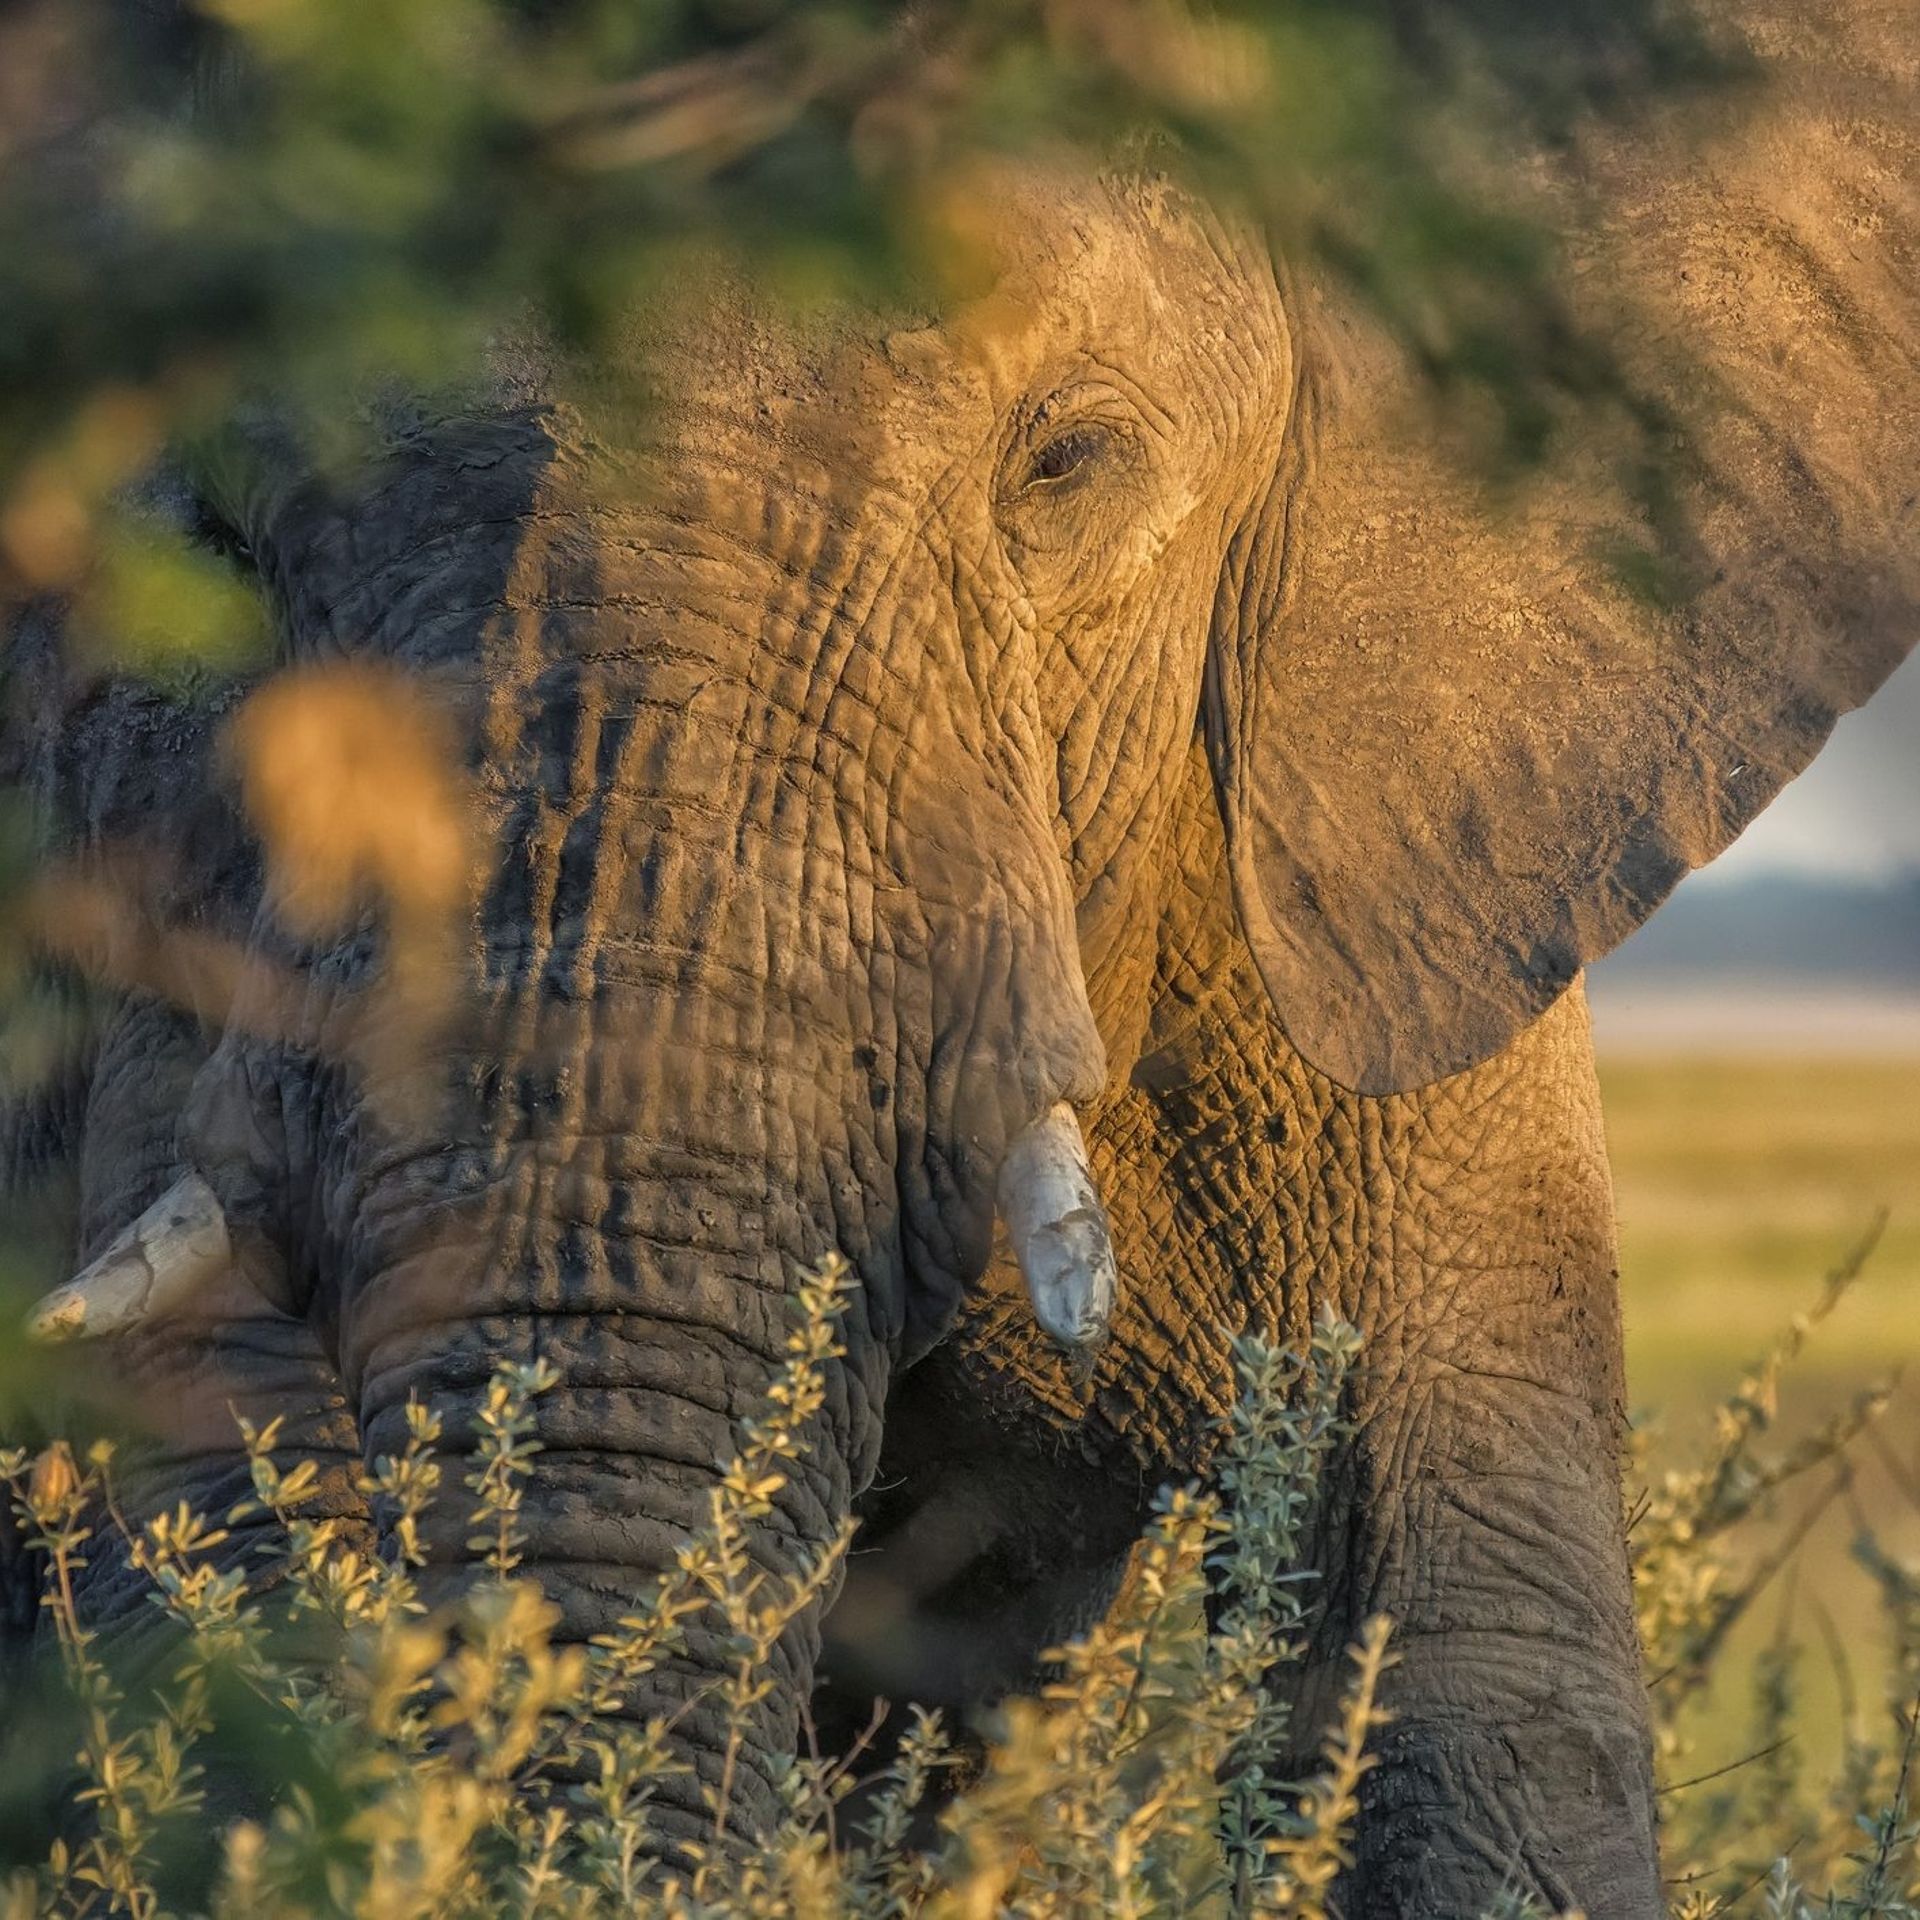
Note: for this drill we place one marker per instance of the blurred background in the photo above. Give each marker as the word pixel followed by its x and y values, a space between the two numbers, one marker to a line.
pixel 1759 1046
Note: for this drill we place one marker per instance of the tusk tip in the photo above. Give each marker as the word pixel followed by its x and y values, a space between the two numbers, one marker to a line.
pixel 1058 1231
pixel 1069 1270
pixel 154 1269
pixel 60 1318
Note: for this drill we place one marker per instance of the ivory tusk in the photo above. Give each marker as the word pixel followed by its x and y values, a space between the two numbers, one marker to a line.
pixel 1058 1228
pixel 153 1268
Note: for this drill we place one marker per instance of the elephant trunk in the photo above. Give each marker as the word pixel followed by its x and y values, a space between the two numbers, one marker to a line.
pixel 663 1302
pixel 629 1192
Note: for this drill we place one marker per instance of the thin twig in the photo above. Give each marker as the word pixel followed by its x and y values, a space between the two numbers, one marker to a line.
pixel 1896 1808
pixel 1732 1766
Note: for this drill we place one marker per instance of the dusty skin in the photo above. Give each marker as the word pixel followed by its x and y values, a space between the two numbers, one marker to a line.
pixel 1111 695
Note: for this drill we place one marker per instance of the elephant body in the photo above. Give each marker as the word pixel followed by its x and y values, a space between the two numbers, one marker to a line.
pixel 673 850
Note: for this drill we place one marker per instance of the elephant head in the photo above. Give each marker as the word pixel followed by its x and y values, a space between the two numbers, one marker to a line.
pixel 841 741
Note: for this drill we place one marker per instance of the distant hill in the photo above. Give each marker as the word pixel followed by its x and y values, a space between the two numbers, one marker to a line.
pixel 1787 929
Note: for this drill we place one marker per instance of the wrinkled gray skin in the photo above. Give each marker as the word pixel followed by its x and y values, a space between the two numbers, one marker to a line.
pixel 1108 694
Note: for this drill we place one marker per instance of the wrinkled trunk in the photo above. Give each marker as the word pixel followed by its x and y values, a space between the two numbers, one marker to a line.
pixel 641 1232
pixel 639 1134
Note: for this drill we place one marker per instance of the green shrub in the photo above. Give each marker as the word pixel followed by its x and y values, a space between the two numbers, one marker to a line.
pixel 463 1762
pixel 460 1761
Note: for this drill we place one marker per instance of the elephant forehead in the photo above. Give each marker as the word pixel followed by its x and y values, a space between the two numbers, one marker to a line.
pixel 1126 272
pixel 1034 269
pixel 758 433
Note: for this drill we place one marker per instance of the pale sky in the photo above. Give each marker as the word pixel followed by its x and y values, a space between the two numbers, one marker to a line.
pixel 1855 813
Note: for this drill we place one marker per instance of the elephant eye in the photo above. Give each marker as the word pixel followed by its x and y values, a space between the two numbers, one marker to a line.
pixel 1066 456
pixel 211 528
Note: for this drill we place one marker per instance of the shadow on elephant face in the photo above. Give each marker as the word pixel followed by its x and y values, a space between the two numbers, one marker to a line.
pixel 820 734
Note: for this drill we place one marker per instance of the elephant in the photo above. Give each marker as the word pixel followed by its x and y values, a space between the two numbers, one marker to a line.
pixel 1078 802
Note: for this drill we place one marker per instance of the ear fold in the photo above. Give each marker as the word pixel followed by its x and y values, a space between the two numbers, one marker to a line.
pixel 1458 754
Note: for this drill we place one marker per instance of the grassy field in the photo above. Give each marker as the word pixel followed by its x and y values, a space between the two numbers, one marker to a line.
pixel 1741 1181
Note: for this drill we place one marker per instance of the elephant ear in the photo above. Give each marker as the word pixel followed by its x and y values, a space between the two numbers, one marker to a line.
pixel 1462 750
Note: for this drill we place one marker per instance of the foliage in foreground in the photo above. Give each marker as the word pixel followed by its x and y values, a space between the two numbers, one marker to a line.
pixel 205 201
pixel 457 1760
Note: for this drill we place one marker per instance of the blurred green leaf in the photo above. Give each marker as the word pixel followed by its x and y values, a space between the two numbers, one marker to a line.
pixel 159 604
